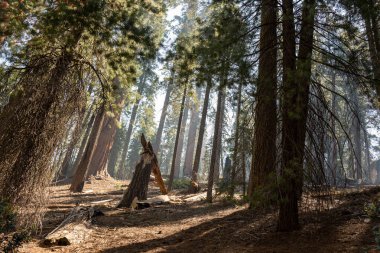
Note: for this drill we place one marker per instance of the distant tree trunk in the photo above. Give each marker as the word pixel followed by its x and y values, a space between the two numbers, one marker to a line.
pixel 202 128
pixel 333 155
pixel 171 176
pixel 80 124
pixel 236 142
pixel 227 171
pixel 243 162
pixel 131 124
pixel 164 113
pixel 115 153
pixel 219 159
pixel 295 114
pixel 264 140
pixel 106 138
pixel 78 179
pixel 191 136
pixel 367 155
pixel 66 164
pixel 83 143
pixel 181 141
pixel 216 148
pixel 63 173
pixel 357 135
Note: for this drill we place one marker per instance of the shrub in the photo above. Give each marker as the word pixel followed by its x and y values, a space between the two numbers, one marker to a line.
pixel 7 216
pixel 181 183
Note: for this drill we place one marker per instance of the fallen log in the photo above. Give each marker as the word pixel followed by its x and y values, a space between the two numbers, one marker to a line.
pixel 74 229
pixel 158 200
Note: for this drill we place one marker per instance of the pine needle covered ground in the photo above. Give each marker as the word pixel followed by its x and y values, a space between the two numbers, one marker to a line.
pixel 185 225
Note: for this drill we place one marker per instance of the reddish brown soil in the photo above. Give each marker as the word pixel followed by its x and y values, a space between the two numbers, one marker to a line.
pixel 203 227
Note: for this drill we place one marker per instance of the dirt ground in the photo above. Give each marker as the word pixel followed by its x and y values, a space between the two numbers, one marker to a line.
pixel 201 227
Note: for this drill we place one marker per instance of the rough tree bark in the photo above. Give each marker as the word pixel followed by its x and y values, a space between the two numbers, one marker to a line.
pixel 236 142
pixel 98 164
pixel 264 140
pixel 202 127
pixel 138 188
pixel 216 148
pixel 295 112
pixel 171 176
pixel 28 137
pixel 370 14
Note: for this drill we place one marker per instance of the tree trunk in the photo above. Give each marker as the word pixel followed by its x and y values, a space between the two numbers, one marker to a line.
pixel 78 179
pixel 264 140
pixel 333 155
pixel 295 113
pixel 198 152
pixel 138 188
pixel 356 134
pixel 244 171
pixel 236 143
pixel 164 113
pixel 171 176
pixel 367 11
pixel 181 141
pixel 98 164
pixel 216 148
pixel 83 143
pixel 29 127
pixel 367 155
pixel 131 124
pixel 191 137
pixel 66 164
pixel 115 153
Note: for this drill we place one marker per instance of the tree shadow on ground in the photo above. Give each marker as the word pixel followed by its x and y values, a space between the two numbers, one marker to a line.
pixel 158 215
pixel 249 231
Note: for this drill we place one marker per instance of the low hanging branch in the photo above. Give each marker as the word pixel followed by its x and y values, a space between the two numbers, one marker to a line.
pixel 138 188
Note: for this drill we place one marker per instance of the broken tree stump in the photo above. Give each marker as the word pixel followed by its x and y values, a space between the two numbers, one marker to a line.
pixel 139 184
pixel 74 229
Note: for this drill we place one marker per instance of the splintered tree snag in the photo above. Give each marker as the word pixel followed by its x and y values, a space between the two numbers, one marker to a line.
pixel 157 173
pixel 138 188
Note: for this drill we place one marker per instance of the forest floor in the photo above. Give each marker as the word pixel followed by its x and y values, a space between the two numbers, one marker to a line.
pixel 183 226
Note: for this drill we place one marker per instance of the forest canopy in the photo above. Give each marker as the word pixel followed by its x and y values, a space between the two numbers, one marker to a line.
pixel 269 104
